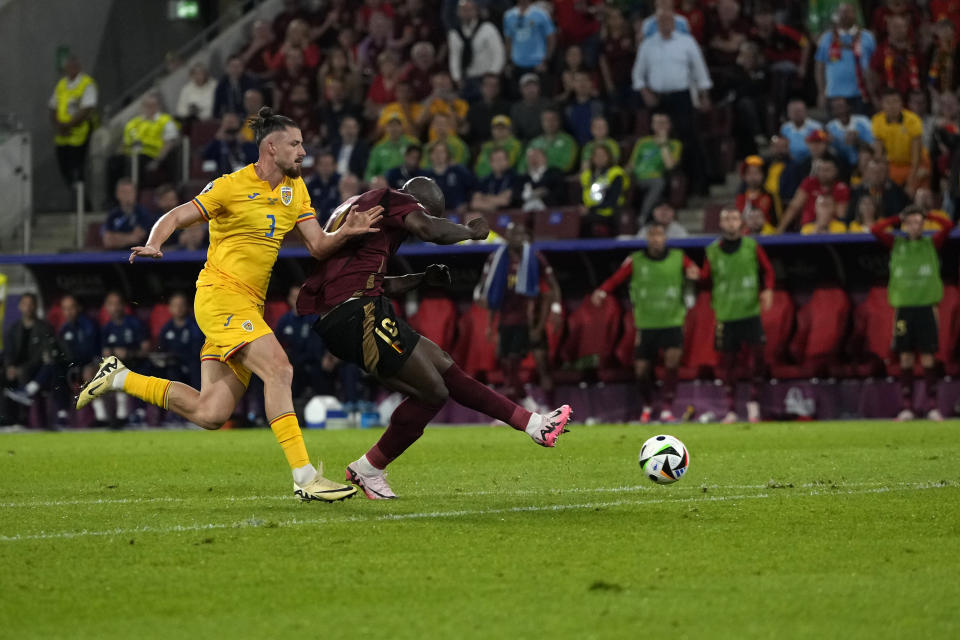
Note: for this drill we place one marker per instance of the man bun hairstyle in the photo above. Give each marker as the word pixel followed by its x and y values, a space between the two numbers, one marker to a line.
pixel 266 122
pixel 427 193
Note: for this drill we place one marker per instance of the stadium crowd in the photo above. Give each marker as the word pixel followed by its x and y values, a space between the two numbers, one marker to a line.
pixel 835 115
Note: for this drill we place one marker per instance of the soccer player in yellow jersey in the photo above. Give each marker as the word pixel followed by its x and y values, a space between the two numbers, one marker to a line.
pixel 249 213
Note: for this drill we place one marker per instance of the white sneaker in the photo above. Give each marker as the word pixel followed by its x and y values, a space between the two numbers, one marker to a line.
pixel 935 415
pixel 753 411
pixel 905 415
pixel 730 418
pixel 375 486
pixel 323 490
pixel 102 383
pixel 551 426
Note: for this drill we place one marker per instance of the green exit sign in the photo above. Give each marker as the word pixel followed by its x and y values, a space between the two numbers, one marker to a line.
pixel 183 9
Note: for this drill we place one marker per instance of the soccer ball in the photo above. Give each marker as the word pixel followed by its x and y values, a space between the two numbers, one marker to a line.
pixel 664 459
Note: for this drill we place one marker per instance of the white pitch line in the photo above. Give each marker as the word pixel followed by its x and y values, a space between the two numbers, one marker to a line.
pixel 449 494
pixel 295 522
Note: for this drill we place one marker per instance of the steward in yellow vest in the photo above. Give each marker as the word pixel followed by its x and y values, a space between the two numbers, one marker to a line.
pixel 72 114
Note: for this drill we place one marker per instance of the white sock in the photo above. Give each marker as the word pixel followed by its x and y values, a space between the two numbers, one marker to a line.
pixel 534 424
pixel 118 380
pixel 303 475
pixel 123 406
pixel 100 409
pixel 365 467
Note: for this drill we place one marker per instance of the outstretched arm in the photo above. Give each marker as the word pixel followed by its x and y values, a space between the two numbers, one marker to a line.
pixel 180 217
pixel 443 231
pixel 322 245
pixel 436 275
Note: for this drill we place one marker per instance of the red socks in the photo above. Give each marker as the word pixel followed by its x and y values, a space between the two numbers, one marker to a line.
pixel 728 364
pixel 479 397
pixel 407 423
pixel 906 387
pixel 669 389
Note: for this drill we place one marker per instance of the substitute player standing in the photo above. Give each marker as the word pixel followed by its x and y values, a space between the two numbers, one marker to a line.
pixel 358 325
pixel 915 288
pixel 735 264
pixel 249 212
pixel 656 290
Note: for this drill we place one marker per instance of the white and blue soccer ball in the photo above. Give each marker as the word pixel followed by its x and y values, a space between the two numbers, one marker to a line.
pixel 664 459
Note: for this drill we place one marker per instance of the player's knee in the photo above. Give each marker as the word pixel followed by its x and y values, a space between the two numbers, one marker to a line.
pixel 435 394
pixel 212 417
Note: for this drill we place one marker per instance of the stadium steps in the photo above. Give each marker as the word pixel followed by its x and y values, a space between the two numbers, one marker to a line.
pixel 56 232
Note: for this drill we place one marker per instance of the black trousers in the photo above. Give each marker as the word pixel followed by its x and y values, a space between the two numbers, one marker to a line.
pixel 72 162
pixel 679 106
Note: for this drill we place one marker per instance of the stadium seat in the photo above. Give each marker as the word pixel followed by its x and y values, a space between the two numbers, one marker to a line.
pixel 474 351
pixel 273 310
pixel 54 315
pixel 202 132
pixel 145 198
pixel 499 220
pixel 677 191
pixel 592 334
pixel 159 316
pixel 556 224
pixel 93 239
pixel 821 326
pixel 711 218
pixel 872 334
pixel 573 192
pixel 620 368
pixel 700 354
pixel 949 316
pixel 436 319
pixel 778 327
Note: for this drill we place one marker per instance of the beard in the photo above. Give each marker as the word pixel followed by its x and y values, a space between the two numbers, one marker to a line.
pixel 293 171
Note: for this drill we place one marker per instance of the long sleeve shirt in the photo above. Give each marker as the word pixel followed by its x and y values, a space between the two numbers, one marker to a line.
pixel 489 53
pixel 666 65
pixel 626 271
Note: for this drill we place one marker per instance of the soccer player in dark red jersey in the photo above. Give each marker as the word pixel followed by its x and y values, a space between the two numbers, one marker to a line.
pixel 358 324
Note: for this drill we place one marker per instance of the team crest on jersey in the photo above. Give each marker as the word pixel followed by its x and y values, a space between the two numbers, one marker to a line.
pixel 286 195
pixel 247 325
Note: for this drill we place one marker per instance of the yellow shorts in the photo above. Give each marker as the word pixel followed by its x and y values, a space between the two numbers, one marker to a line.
pixel 230 321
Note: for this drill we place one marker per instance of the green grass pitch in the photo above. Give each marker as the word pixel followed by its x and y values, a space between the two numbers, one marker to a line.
pixel 827 530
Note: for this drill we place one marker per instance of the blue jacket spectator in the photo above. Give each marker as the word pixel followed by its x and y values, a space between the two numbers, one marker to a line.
pixel 797 127
pixel 322 186
pixel 848 131
pixel 227 152
pixel 123 335
pixel 582 108
pixel 79 336
pixel 456 181
pixel 180 339
pixel 410 168
pixel 128 223
pixel 531 34
pixel 228 96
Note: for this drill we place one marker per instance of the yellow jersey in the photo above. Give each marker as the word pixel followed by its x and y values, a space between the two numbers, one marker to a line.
pixel 248 221
pixel 835 227
pixel 897 136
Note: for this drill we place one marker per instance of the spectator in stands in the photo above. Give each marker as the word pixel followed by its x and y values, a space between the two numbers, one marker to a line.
pixel 797 171
pixel 455 180
pixel 848 131
pixel 898 134
pixel 753 195
pixel 915 289
pixel 483 111
pixel 578 26
pixel 502 139
pixel 378 40
pixel 443 100
pixel 559 146
pixel 573 64
pixel 383 87
pixel 843 61
pixel 825 220
pixel 196 97
pixel 297 39
pixel 416 21
pixel 896 63
pixel 252 102
pixel 152 136
pixel 337 67
pixel 867 215
pixel 79 338
pixel 412 159
pixel 229 95
pixel 944 137
pixel 749 86
pixel 668 67
pixel 420 70
pixel 599 135
pixel 335 105
pixel 72 110
pixel 785 50
pixel 227 153
pixel 925 199
pixel 876 184
pixel 754 224
pixel 776 162
pixel 824 180
pixel 617 52
pixel 664 8
pixel 943 62
pixel 259 52
pixel 292 10
pixel 882 16
pixel 498 189
pixel 665 216
pixel 530 36
pixel 128 223
pixel 300 108
pixel 604 186
pixel 476 50
pixel 652 158
pixel 726 30
pixel 945 10
pixel 658 277
pixel 179 341
pixel 519 307
pixel 526 113
pixel 442 132
pixel 798 128
pixel 349 186
pixel 293 73
pixel 351 152
pixel 29 351
pixel 322 186
pixel 541 186
pixel 582 108
pixel 123 336
pixel 405 108
pixel 917 102
pixel 734 267
pixel 388 153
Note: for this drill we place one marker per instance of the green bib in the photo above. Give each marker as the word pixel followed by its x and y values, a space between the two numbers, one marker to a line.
pixel 914 273
pixel 736 286
pixel 656 290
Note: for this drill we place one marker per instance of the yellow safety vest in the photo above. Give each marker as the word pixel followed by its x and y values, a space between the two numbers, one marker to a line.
pixel 149 133
pixel 68 103
pixel 595 186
